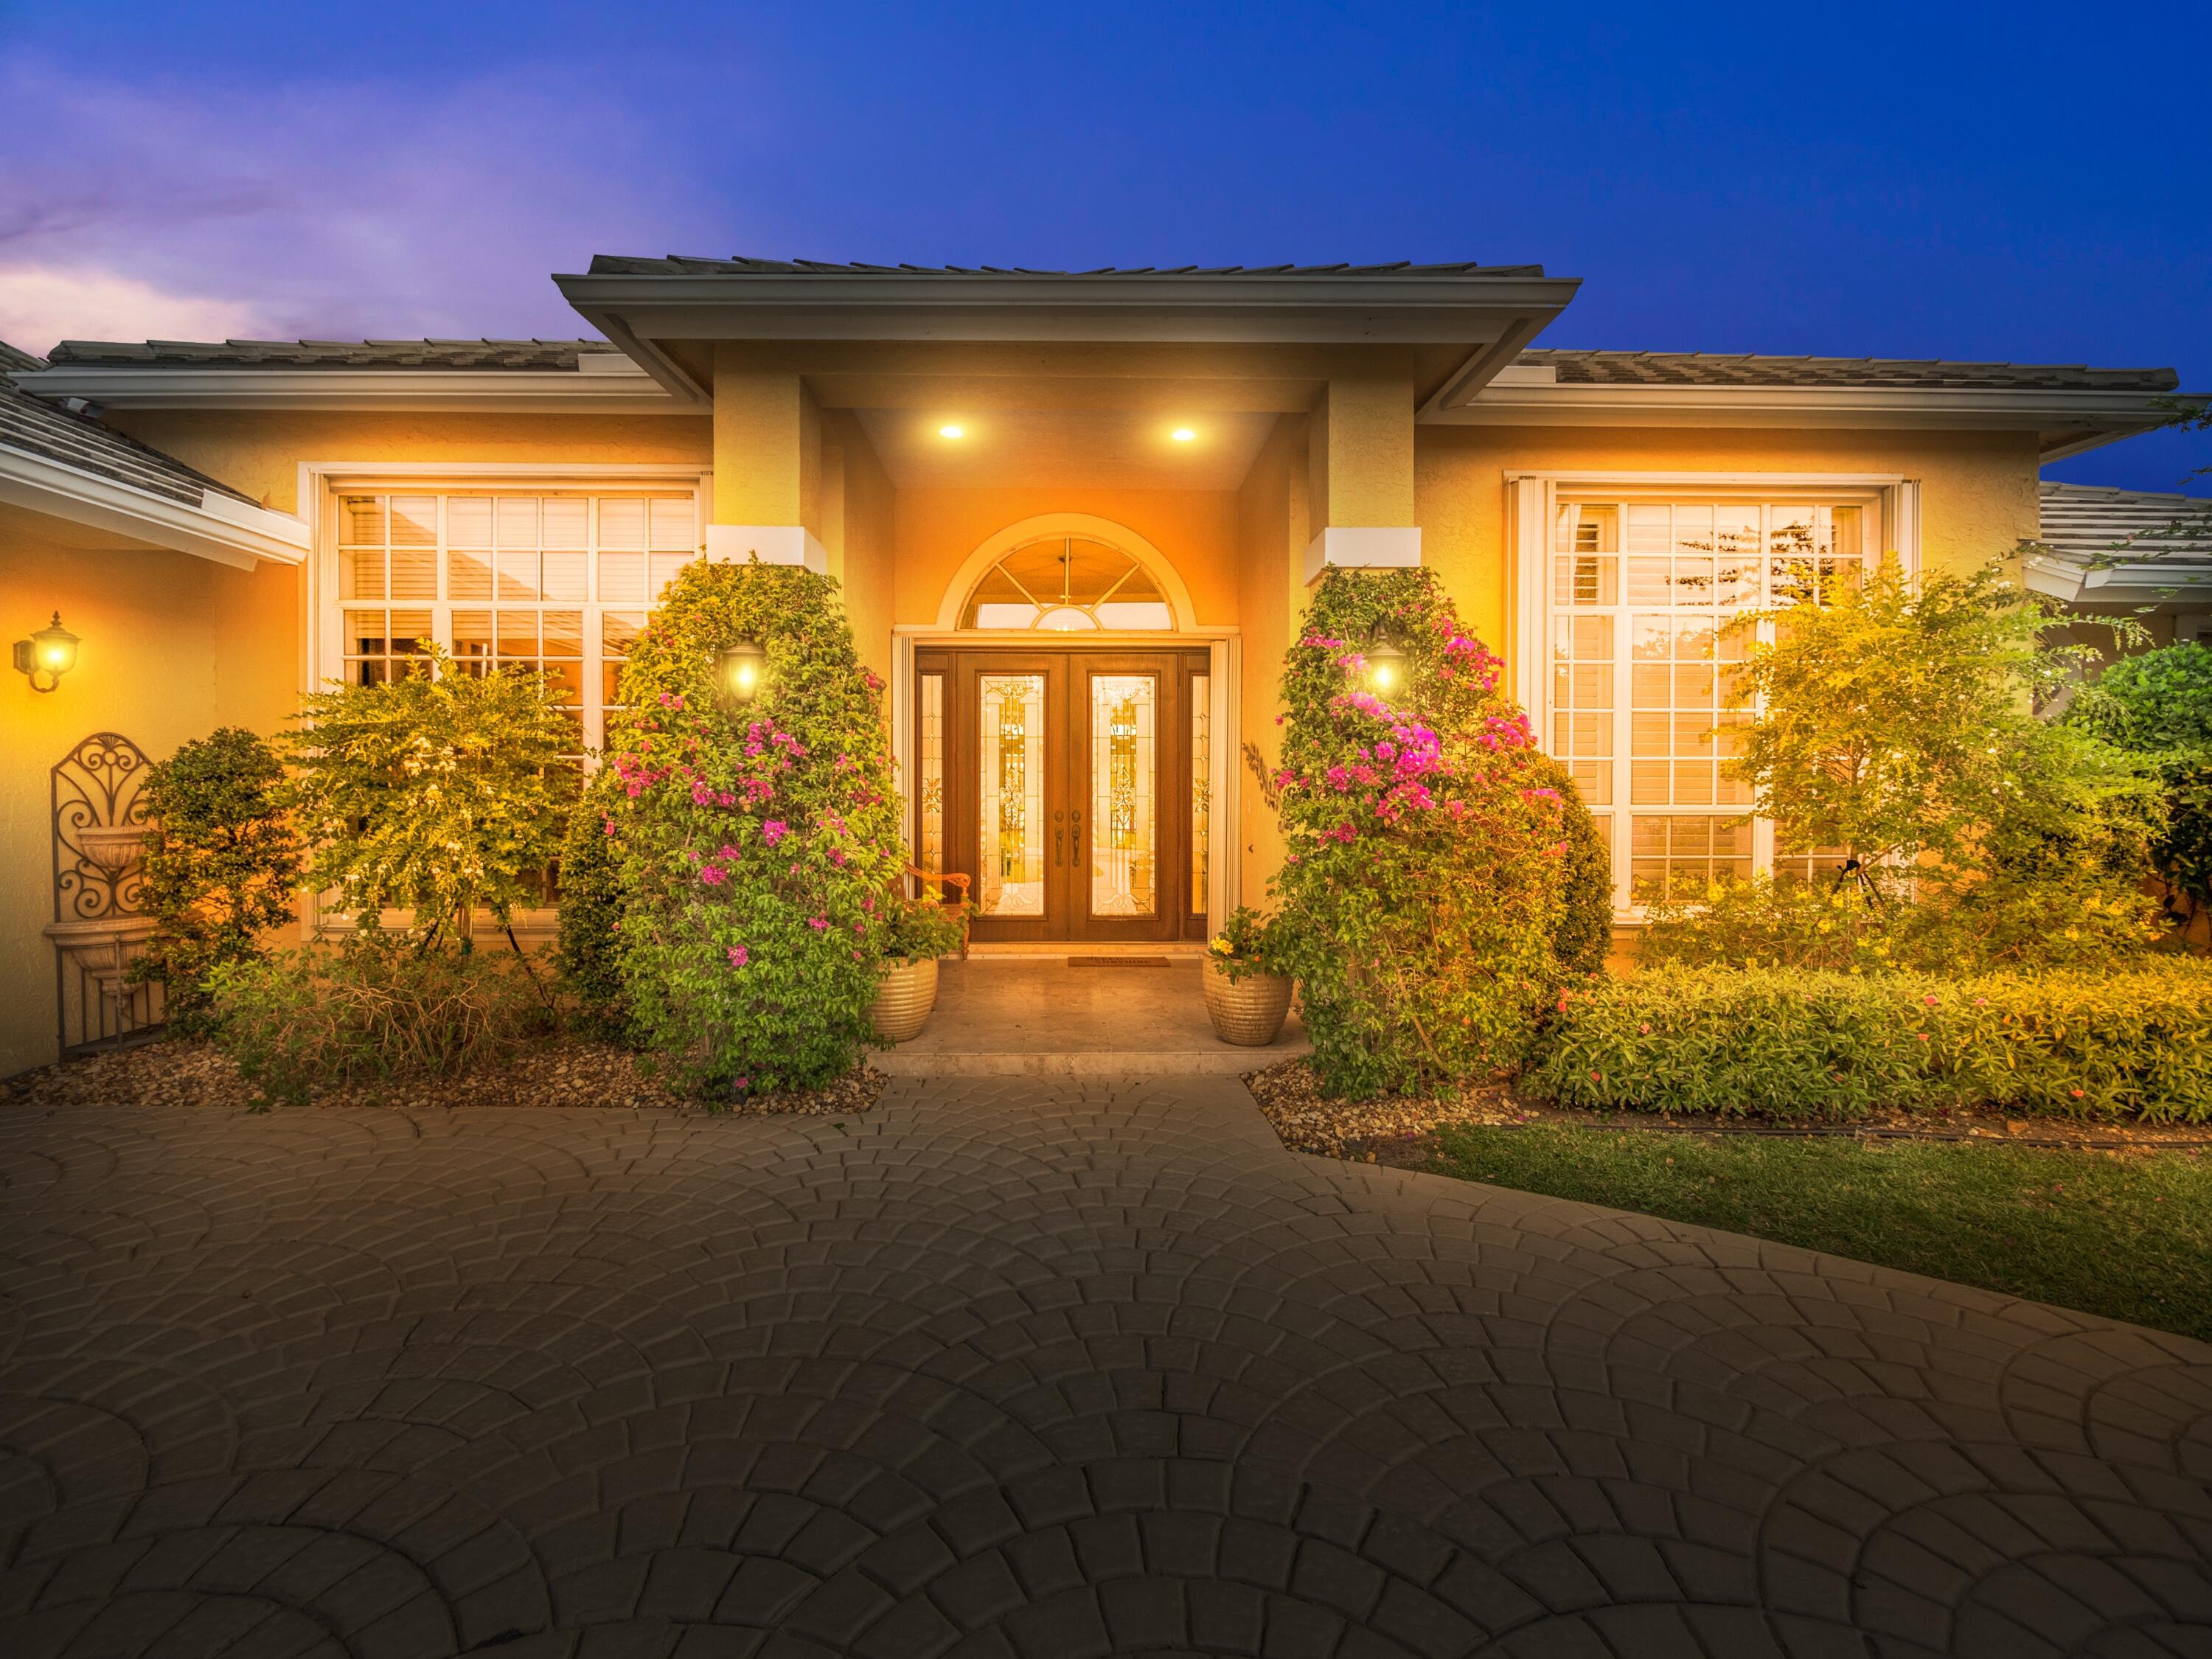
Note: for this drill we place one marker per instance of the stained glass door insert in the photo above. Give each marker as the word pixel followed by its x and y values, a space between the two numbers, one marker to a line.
pixel 1124 804
pixel 1010 729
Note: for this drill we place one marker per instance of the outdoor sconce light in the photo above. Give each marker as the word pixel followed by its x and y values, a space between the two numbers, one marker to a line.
pixel 52 652
pixel 1386 665
pixel 743 666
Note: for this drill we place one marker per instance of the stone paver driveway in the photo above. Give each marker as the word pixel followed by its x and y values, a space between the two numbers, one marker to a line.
pixel 1007 1368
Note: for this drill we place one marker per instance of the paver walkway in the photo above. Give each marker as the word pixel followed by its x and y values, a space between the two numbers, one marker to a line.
pixel 1011 1368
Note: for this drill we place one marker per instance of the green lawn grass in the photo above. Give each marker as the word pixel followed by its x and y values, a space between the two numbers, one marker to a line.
pixel 2127 1238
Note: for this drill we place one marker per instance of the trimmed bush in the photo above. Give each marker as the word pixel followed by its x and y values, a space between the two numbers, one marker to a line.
pixel 1799 1043
pixel 591 899
pixel 378 1007
pixel 222 863
pixel 1583 938
pixel 759 847
pixel 1421 892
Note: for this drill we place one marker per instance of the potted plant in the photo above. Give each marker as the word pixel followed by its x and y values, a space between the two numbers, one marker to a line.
pixel 1246 999
pixel 918 932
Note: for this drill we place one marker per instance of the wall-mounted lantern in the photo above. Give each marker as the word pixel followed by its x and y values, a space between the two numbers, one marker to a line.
pixel 1386 665
pixel 51 652
pixel 742 667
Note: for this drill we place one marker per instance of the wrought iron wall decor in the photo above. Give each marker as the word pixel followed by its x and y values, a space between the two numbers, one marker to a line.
pixel 99 924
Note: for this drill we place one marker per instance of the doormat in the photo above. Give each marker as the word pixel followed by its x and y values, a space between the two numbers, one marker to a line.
pixel 1117 961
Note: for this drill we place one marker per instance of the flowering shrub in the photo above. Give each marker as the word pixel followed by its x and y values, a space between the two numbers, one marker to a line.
pixel 1422 890
pixel 1795 1043
pixel 758 847
pixel 221 862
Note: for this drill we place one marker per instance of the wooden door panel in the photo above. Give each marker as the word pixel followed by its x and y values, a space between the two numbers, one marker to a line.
pixel 1067 791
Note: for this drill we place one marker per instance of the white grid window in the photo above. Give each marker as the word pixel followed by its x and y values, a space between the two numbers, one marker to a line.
pixel 1645 676
pixel 560 581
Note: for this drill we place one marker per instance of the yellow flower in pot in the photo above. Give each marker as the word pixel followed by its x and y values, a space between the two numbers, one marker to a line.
pixel 1246 1000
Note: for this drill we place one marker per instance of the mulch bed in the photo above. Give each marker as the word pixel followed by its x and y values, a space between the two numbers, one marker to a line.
pixel 1397 1130
pixel 558 1072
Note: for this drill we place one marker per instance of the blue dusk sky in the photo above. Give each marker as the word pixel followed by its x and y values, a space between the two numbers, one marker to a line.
pixel 2010 181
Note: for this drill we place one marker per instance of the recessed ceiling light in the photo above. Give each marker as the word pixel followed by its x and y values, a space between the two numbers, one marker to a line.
pixel 1183 435
pixel 952 432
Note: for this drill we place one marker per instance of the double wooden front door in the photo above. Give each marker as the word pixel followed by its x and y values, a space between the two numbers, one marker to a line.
pixel 1070 792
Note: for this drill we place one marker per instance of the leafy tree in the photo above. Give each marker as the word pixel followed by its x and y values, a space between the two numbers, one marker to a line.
pixel 1422 891
pixel 759 844
pixel 222 863
pixel 443 792
pixel 1895 724
pixel 2158 705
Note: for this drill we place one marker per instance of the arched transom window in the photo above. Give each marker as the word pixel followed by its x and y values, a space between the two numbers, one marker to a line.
pixel 1067 585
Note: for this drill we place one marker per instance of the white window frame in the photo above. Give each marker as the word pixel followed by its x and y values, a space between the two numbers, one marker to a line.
pixel 323 484
pixel 1533 502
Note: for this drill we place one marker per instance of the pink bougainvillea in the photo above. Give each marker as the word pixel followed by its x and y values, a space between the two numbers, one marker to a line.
pixel 1422 879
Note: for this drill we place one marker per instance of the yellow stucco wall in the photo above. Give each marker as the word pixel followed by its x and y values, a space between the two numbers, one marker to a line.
pixel 259 451
pixel 937 528
pixel 173 648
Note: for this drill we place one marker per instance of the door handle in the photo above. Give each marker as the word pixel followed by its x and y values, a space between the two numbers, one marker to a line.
pixel 1075 837
pixel 1058 857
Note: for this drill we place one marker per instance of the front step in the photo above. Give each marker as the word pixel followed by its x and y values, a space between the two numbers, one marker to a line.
pixel 1221 1060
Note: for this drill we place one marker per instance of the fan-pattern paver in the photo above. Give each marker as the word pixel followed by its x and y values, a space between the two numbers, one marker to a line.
pixel 1010 1368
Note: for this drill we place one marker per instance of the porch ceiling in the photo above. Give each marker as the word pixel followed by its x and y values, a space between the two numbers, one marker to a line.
pixel 1064 448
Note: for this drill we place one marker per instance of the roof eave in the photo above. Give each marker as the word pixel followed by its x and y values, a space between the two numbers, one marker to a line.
pixel 1493 315
pixel 2066 421
pixel 219 527
pixel 565 392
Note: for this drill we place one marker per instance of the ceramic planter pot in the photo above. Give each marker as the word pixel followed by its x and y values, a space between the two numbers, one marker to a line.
pixel 905 993
pixel 1249 1014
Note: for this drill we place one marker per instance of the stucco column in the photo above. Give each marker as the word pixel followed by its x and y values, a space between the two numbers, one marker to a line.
pixel 768 465
pixel 1359 469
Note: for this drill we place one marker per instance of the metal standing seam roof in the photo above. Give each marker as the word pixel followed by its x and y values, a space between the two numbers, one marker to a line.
pixel 2092 524
pixel 1665 369
pixel 32 425
pixel 676 265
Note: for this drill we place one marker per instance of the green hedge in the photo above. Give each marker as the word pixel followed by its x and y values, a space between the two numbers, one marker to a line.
pixel 1798 1043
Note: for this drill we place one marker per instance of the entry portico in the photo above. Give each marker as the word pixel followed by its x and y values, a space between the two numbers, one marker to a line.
pixel 1066 419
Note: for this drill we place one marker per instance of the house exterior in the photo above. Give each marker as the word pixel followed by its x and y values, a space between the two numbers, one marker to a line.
pixel 1074 516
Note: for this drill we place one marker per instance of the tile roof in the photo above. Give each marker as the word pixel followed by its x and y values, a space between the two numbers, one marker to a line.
pixel 1744 369
pixel 620 264
pixel 2092 524
pixel 31 426
pixel 540 354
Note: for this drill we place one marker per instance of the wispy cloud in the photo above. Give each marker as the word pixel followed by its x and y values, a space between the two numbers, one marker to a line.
pixel 332 207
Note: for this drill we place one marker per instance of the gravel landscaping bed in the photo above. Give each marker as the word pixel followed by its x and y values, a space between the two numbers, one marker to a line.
pixel 1397 1129
pixel 559 1073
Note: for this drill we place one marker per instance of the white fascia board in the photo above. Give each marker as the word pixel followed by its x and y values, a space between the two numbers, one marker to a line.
pixel 221 528
pixel 630 390
pixel 1519 403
